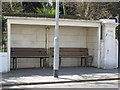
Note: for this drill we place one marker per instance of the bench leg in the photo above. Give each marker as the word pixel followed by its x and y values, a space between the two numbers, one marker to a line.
pixel 15 63
pixel 83 62
pixel 40 62
pixel 59 62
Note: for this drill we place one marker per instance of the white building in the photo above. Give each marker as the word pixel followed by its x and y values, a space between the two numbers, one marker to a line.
pixel 97 36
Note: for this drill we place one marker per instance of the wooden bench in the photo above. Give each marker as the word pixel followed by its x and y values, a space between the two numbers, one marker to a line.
pixel 28 53
pixel 73 53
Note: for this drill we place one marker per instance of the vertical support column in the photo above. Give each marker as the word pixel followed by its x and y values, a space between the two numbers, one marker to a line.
pixel 108 60
pixel 8 42
pixel 56 42
pixel 119 37
pixel 47 43
pixel 99 46
pixel 0 26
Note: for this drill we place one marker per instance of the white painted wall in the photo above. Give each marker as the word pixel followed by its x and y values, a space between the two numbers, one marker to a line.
pixel 116 52
pixel 34 36
pixel 92 44
pixel 69 37
pixel 27 36
pixel 108 45
pixel 4 62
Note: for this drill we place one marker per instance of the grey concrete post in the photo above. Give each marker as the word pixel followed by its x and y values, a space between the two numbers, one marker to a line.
pixel 56 42
pixel 0 26
pixel 119 37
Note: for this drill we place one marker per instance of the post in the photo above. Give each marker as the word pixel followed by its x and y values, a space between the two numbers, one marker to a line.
pixel 8 42
pixel 56 42
pixel 0 26
pixel 119 36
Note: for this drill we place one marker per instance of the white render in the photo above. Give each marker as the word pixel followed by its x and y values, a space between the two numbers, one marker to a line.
pixel 116 53
pixel 4 62
pixel 30 32
pixel 109 58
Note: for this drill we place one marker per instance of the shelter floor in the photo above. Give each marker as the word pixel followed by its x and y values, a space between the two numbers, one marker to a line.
pixel 65 74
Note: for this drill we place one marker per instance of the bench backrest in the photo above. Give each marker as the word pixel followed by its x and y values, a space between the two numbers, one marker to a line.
pixel 28 52
pixel 70 52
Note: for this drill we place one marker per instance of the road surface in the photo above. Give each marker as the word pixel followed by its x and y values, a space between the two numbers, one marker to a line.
pixel 92 84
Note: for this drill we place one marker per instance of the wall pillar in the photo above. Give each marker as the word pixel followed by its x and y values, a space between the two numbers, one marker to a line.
pixel 108 50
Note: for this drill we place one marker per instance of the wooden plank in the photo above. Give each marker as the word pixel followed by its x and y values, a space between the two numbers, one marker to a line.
pixel 28 49
pixel 75 56
pixel 28 52
pixel 38 52
pixel 70 49
pixel 73 53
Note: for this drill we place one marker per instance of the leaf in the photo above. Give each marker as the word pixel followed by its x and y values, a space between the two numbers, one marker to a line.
pixel 53 11
pixel 38 10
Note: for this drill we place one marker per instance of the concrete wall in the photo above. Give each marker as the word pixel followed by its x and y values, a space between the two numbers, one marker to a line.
pixel 27 36
pixel 34 36
pixel 69 37
pixel 92 44
pixel 4 63
pixel 109 58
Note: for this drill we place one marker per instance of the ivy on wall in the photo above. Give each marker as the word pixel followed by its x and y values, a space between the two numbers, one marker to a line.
pixel 3 35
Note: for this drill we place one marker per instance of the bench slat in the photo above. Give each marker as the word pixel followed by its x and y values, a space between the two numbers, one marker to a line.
pixel 29 52
pixel 71 52
pixel 28 49
pixel 71 49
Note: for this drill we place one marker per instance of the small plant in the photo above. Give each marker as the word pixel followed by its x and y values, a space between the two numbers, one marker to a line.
pixel 46 10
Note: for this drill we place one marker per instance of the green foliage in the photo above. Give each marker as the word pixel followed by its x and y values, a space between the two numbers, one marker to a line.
pixel 86 10
pixel 46 10
pixel 3 34
pixel 12 7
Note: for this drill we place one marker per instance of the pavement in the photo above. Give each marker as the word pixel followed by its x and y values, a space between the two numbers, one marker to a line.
pixel 45 76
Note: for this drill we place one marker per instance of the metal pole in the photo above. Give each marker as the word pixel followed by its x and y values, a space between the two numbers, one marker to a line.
pixel 119 36
pixel 1 26
pixel 56 42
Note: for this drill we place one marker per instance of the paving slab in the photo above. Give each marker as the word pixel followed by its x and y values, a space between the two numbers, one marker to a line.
pixel 38 75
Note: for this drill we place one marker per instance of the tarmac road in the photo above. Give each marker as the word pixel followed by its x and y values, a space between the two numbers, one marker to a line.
pixel 92 84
